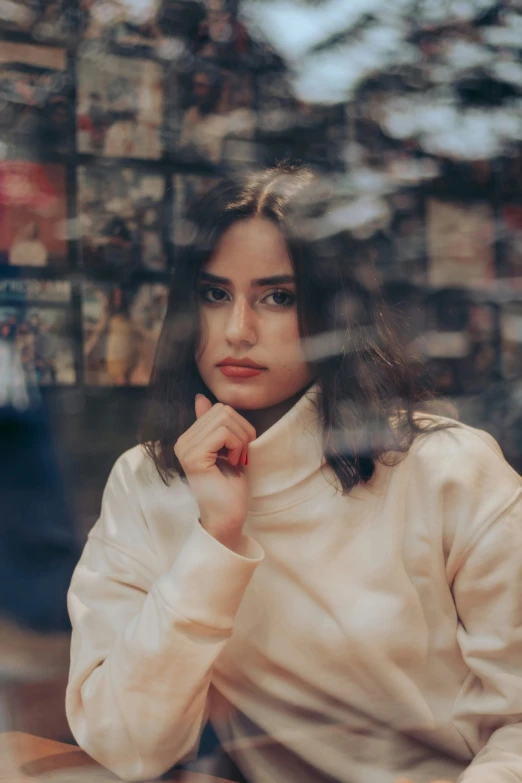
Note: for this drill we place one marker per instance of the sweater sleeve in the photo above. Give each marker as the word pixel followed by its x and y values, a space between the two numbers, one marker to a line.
pixel 487 591
pixel 144 643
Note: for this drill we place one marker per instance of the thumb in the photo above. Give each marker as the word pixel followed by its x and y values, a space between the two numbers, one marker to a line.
pixel 202 405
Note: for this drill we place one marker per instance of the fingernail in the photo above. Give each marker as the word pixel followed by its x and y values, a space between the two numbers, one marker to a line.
pixel 246 458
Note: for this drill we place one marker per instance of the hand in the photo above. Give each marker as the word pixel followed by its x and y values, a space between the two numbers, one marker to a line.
pixel 212 452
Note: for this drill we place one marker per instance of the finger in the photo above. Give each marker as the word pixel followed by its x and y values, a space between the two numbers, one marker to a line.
pixel 231 441
pixel 202 455
pixel 234 449
pixel 202 404
pixel 207 426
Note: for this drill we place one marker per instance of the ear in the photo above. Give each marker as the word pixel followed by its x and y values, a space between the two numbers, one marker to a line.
pixel 202 405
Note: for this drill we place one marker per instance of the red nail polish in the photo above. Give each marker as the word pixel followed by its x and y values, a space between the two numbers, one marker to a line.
pixel 246 458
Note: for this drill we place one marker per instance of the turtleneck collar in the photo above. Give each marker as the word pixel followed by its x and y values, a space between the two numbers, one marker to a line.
pixel 287 454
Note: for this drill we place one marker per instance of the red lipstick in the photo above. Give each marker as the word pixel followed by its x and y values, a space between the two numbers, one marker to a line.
pixel 232 371
pixel 240 368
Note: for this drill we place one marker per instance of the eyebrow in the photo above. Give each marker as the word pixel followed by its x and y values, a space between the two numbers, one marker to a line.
pixel 255 282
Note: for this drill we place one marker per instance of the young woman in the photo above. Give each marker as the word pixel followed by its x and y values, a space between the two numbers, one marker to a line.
pixel 295 552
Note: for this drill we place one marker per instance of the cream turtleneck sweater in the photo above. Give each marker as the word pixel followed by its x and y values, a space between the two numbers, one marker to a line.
pixel 356 639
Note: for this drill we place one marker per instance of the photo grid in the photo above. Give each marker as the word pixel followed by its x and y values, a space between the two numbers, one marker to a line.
pixel 106 145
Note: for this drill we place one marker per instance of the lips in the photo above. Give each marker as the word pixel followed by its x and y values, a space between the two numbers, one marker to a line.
pixel 229 362
pixel 237 371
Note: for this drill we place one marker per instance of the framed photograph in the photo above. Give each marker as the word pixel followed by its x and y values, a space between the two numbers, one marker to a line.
pixel 35 319
pixel 35 99
pixel 120 107
pixel 188 189
pixel 120 213
pixel 41 19
pixel 460 238
pixel 120 331
pixel 32 214
pixel 216 121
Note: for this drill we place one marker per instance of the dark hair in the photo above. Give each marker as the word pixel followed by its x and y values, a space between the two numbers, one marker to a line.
pixel 370 389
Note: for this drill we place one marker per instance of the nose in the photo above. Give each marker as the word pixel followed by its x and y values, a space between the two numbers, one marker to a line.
pixel 241 323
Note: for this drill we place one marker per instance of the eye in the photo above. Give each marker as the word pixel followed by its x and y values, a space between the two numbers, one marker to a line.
pixel 203 292
pixel 290 298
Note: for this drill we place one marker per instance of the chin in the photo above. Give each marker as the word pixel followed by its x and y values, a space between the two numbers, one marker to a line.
pixel 243 396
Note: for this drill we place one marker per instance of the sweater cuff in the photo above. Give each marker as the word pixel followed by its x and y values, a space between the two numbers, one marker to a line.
pixel 207 580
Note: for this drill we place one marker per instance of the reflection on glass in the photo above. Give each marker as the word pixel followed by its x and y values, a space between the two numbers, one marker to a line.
pixel 120 107
pixel 32 214
pixel 120 330
pixel 121 218
pixel 35 319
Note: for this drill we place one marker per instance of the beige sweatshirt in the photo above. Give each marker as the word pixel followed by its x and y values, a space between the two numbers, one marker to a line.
pixel 358 638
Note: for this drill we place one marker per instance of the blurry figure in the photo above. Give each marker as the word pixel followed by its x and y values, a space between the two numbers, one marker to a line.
pixel 38 542
pixel 122 349
pixel 27 249
pixel 39 545
pixel 13 391
pixel 121 339
pixel 121 328
pixel 149 312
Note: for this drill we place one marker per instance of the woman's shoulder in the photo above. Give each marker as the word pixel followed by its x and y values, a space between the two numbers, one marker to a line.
pixel 458 477
pixel 442 435
pixel 463 462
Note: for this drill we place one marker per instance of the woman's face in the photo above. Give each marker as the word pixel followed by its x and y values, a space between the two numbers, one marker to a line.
pixel 246 317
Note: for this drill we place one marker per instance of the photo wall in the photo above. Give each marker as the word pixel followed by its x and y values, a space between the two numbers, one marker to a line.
pixel 116 116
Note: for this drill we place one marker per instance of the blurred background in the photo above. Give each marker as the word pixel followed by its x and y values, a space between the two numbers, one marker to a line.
pixel 114 116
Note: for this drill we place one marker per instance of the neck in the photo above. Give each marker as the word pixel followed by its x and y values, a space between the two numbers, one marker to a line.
pixel 264 418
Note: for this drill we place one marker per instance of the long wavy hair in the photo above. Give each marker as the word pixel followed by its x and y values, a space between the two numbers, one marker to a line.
pixel 371 392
